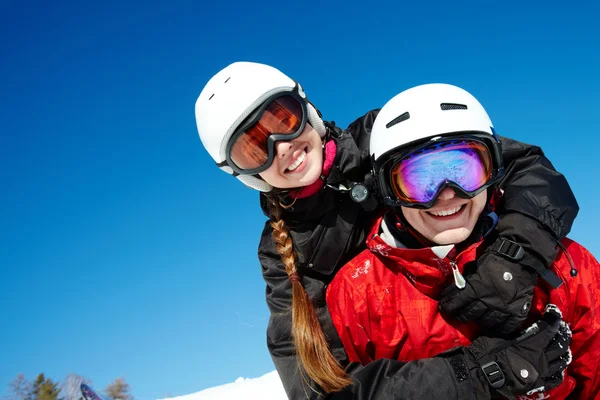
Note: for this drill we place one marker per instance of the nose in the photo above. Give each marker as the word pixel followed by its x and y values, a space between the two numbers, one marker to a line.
pixel 282 147
pixel 447 194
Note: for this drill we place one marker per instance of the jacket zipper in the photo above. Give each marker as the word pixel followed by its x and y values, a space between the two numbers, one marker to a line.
pixel 459 280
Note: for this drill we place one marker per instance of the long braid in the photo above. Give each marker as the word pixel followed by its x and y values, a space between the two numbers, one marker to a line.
pixel 314 355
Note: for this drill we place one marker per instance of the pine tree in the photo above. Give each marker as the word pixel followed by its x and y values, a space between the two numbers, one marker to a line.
pixel 36 387
pixel 118 390
pixel 44 389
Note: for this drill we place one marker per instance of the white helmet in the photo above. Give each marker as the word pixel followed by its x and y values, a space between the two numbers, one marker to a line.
pixel 424 112
pixel 229 97
pixel 429 112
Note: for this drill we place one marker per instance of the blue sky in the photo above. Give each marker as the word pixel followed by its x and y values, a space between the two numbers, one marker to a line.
pixel 125 252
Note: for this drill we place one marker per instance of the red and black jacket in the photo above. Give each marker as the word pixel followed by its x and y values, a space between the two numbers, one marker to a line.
pixel 384 304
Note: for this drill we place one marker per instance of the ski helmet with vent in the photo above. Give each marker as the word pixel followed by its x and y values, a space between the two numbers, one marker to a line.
pixel 230 98
pixel 429 137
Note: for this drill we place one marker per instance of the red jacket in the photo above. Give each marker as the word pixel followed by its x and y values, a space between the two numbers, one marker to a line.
pixel 384 305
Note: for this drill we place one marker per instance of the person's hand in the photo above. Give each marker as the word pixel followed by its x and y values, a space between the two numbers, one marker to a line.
pixel 535 361
pixel 497 294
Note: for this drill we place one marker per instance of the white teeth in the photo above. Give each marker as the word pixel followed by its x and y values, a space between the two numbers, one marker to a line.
pixel 444 213
pixel 298 161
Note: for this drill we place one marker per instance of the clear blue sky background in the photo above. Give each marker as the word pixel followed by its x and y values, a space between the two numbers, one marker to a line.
pixel 125 252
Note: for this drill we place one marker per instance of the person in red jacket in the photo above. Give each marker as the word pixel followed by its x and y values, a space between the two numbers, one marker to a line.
pixel 437 166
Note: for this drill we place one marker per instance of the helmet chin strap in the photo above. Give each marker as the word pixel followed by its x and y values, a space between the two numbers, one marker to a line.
pixel 487 220
pixel 255 182
pixel 315 120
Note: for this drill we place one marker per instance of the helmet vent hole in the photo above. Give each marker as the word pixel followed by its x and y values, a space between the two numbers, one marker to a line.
pixel 227 80
pixel 452 106
pixel 398 119
pixel 211 96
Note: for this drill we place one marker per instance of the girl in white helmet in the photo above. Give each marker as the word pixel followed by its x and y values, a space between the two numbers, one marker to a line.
pixel 437 164
pixel 258 126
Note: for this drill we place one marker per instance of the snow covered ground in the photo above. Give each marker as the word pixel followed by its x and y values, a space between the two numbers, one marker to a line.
pixel 267 387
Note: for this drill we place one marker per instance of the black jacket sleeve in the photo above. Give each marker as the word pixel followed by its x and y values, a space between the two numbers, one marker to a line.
pixel 539 206
pixel 533 187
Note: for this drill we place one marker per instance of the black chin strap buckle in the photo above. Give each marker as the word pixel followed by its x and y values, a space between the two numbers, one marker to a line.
pixel 493 374
pixel 516 253
pixel 509 249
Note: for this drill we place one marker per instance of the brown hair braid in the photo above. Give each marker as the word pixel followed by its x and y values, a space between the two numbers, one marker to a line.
pixel 312 348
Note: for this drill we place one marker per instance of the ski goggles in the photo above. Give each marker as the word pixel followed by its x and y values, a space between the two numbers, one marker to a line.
pixel 417 178
pixel 251 149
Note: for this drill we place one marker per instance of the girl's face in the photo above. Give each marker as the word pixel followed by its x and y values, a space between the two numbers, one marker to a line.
pixel 297 162
pixel 451 219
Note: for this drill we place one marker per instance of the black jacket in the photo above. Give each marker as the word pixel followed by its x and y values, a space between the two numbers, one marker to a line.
pixel 328 229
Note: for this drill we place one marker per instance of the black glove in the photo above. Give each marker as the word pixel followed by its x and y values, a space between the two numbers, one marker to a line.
pixel 498 293
pixel 533 362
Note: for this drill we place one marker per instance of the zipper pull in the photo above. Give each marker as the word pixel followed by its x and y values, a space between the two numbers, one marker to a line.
pixel 459 280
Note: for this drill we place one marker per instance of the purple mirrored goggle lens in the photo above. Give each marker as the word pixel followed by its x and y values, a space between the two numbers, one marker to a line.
pixel 419 176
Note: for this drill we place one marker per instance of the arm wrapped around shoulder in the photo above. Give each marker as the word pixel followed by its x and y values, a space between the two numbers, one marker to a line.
pixel 499 292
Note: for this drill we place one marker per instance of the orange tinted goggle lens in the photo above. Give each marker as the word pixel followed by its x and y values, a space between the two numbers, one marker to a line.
pixel 282 116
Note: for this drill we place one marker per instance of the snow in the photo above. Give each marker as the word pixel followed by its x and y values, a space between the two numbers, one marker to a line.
pixel 267 387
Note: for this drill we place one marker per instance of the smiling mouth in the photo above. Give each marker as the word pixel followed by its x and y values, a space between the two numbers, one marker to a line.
pixel 450 212
pixel 297 162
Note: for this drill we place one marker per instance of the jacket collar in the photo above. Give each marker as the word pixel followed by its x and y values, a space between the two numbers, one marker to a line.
pixel 429 269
